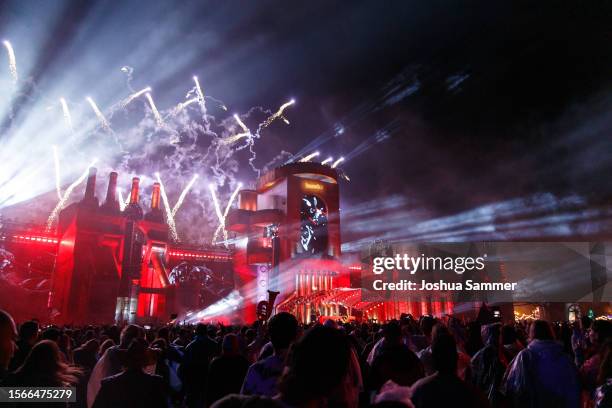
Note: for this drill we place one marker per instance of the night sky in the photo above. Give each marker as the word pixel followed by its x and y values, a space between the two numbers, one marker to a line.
pixel 449 106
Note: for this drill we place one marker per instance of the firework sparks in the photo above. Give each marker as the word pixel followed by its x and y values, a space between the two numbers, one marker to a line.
pixel 134 96
pixel 158 118
pixel 309 157
pixel 222 217
pixel 179 203
pixel 245 132
pixel 123 202
pixel 99 114
pixel 62 202
pixel 12 60
pixel 337 162
pixel 67 116
pixel 277 114
pixel 329 159
pixel 56 163
pixel 200 94
pixel 169 215
pixel 218 212
pixel 183 105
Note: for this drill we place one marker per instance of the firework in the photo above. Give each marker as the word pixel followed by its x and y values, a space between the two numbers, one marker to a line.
pixel 222 217
pixel 67 116
pixel 134 96
pixel 57 172
pixel 158 118
pixel 12 60
pixel 329 159
pixel 337 162
pixel 183 105
pixel 200 94
pixel 169 216
pixel 123 202
pixel 218 211
pixel 62 202
pixel 309 157
pixel 277 114
pixel 99 114
pixel 245 132
pixel 179 203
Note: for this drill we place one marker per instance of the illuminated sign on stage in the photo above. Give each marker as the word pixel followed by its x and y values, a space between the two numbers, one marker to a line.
pixel 312 186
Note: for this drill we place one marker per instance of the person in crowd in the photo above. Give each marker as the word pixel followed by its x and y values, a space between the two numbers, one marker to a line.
pixel 43 367
pixel 182 340
pixel 86 356
pixel 318 371
pixel 395 361
pixel 603 393
pixel 444 388
pixel 133 387
pixel 51 333
pixel 28 336
pixel 474 338
pixel 194 370
pixel 541 375
pixel 489 364
pixel 511 345
pixel 106 344
pixel 173 352
pixel 262 377
pixel 110 362
pixel 227 371
pixel 8 334
pixel 423 340
pixel 599 334
pixel 426 358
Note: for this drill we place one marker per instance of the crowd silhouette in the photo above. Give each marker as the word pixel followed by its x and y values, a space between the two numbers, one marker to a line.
pixel 425 362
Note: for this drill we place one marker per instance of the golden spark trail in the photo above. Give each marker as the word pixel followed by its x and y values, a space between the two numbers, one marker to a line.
pixel 337 162
pixel 200 94
pixel 57 172
pixel 64 199
pixel 183 105
pixel 327 160
pixel 277 114
pixel 169 217
pixel 245 132
pixel 309 157
pixel 218 211
pixel 123 202
pixel 12 60
pixel 179 203
pixel 99 114
pixel 134 96
pixel 67 116
pixel 223 216
pixel 158 118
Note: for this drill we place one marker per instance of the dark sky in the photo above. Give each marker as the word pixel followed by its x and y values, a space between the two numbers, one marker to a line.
pixel 483 101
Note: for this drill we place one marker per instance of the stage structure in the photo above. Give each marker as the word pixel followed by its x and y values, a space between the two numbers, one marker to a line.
pixel 103 264
pixel 120 266
pixel 288 240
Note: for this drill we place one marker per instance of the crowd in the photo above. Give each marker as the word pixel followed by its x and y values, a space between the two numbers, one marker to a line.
pixel 403 363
